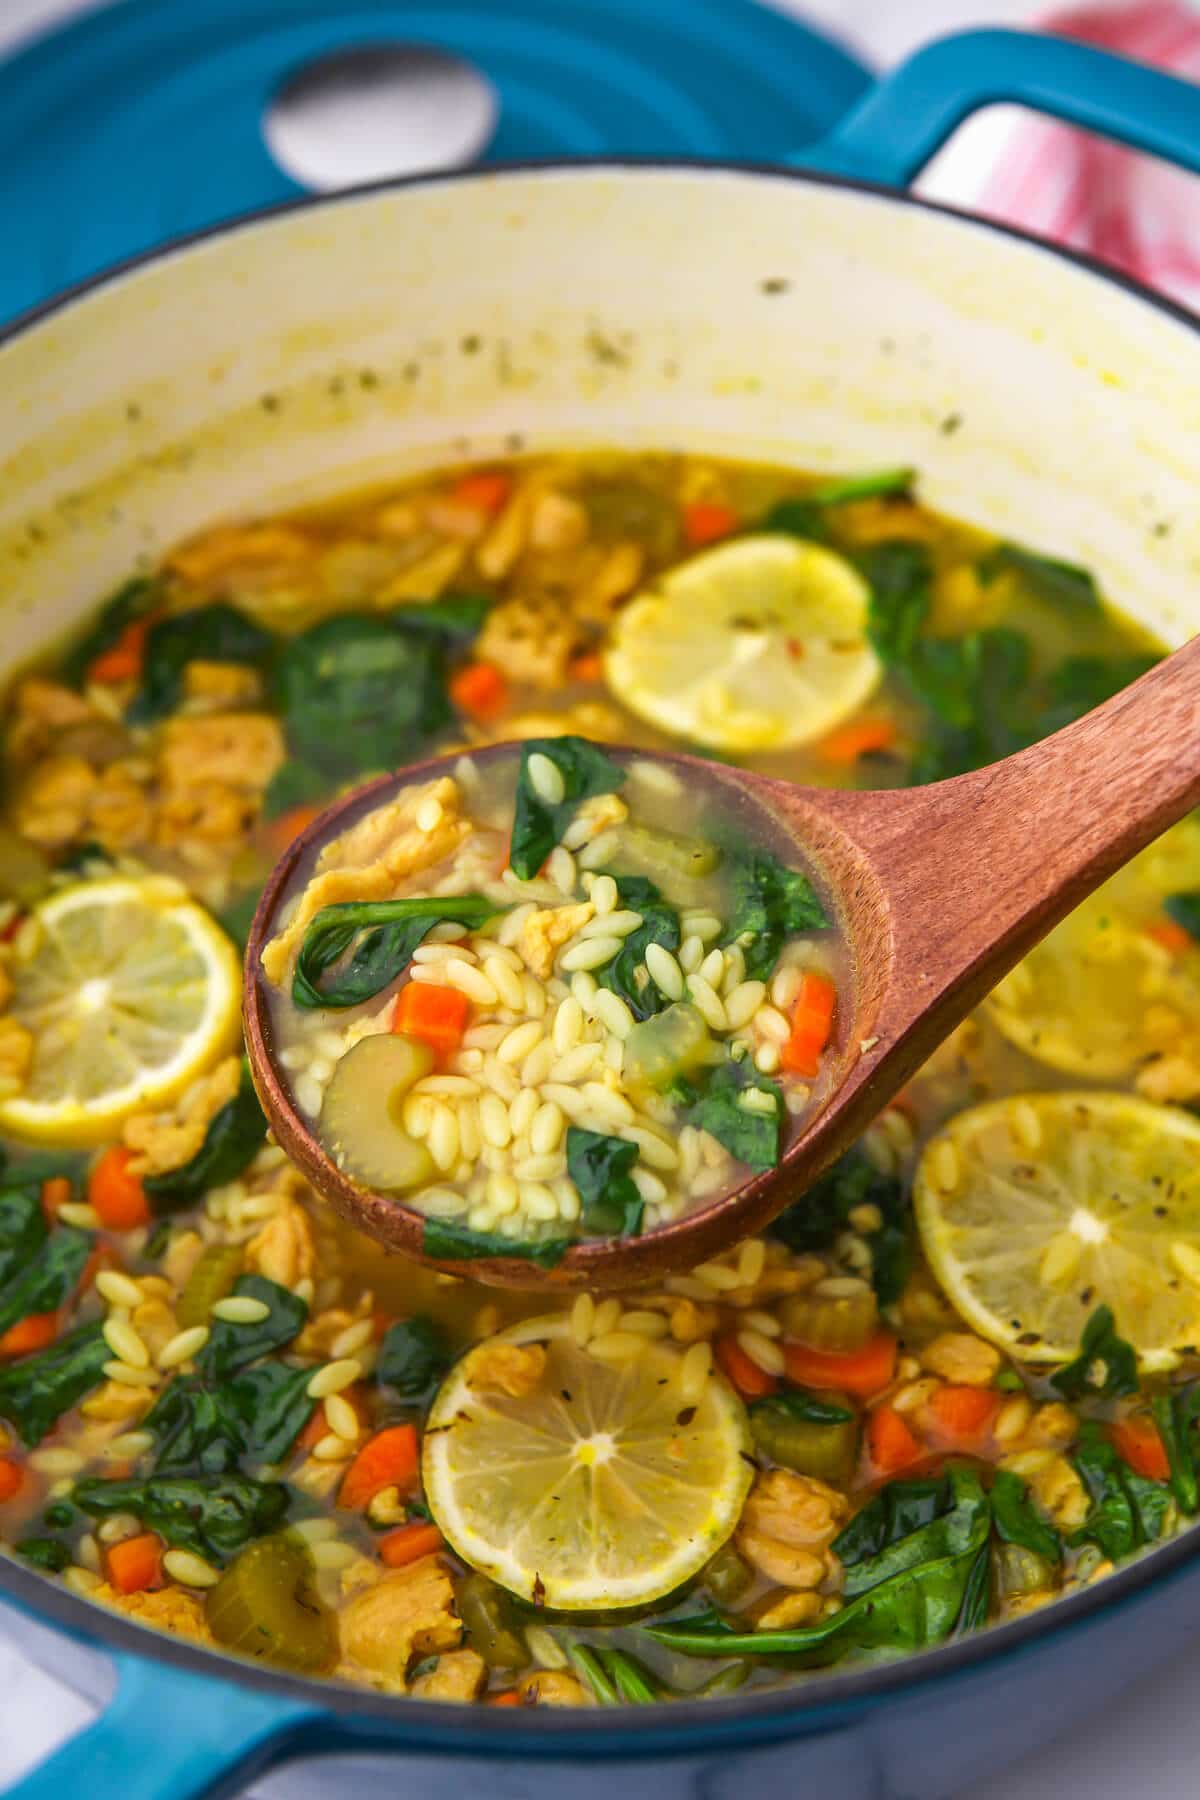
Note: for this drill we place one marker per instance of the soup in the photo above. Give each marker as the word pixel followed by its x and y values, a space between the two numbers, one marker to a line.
pixel 954 1381
pixel 548 970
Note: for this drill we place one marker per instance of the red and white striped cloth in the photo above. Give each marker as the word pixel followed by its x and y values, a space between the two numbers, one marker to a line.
pixel 1132 211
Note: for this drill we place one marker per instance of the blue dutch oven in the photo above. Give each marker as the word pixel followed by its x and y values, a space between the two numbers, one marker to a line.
pixel 811 310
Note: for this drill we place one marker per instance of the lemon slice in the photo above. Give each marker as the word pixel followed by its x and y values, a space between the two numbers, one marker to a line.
pixel 131 992
pixel 600 1488
pixel 1037 1209
pixel 757 645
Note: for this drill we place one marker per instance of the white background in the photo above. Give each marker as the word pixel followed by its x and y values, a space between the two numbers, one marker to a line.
pixel 1150 1743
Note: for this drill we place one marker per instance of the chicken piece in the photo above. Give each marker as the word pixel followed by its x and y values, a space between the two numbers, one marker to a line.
pixel 169 1609
pixel 115 1402
pixel 459 1675
pixel 283 1249
pixel 164 1141
pixel 318 1336
pixel 869 521
pixel 786 1528
pixel 196 821
pixel 16 1055
pixel 557 522
pixel 221 685
pixel 41 711
pixel 54 802
pixel 597 597
pixel 960 1357
pixel 1052 1427
pixel 546 931
pixel 372 859
pixel 782 1612
pixel 232 549
pixel 553 1687
pixel 120 812
pixel 409 1612
pixel 531 640
pixel 1060 1493
pixel 512 1369
pixel 237 750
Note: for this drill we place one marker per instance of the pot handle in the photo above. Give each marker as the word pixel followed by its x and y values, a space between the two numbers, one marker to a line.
pixel 167 1734
pixel 907 117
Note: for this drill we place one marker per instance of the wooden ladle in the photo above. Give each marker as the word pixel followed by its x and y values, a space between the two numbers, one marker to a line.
pixel 939 890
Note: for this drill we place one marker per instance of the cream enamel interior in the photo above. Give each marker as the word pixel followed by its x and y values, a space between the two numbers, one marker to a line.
pixel 747 314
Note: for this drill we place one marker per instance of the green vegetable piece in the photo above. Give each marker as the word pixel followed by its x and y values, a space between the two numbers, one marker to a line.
pixel 1185 910
pixel 727 1576
pixel 1127 1511
pixel 1106 1365
pixel 811 1436
pixel 632 1680
pixel 22 1229
pixel 1008 1382
pixel 257 1415
pixel 444 1241
pixel 588 1666
pixel 456 617
pixel 538 824
pixel 725 1681
pixel 666 856
pixel 624 508
pixel 60 1515
pixel 131 602
pixel 660 925
pixel 217 1268
pixel 716 1103
pixel 37 1390
pixel 297 783
pixel 1020 1570
pixel 362 1119
pixel 217 633
pixel 357 693
pixel 897 1510
pixel 601 1169
pixel 413 1357
pixel 487 1619
pixel 232 1347
pixel 1062 584
pixel 813 1222
pixel 1018 1522
pixel 50 1279
pixel 266 1605
pixel 1080 683
pixel 797 517
pixel 770 904
pixel 876 484
pixel 667 1047
pixel 212 1515
pixel 44 1553
pixel 1175 1416
pixel 381 936
pixel 900 577
pixel 234 1137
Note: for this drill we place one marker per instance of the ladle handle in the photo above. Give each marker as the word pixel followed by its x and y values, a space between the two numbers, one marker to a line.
pixel 979 868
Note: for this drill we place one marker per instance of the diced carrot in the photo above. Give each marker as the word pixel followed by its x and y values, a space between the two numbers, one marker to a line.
pixel 484 489
pixel 812 1022
pixel 280 832
pixel 135 1563
pixel 864 1371
pixel 480 691
pixel 751 1382
pixel 961 1417
pixel 587 666
pixel 29 1334
pixel 890 1444
pixel 1172 936
pixel 118 1197
pixel 56 1192
pixel 389 1459
pixel 705 521
pixel 506 1697
pixel 434 1015
pixel 859 739
pixel 9 931
pixel 409 1543
pixel 11 1479
pixel 1138 1443
pixel 123 660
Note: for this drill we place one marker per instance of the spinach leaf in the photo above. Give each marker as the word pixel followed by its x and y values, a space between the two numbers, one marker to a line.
pixel 44 1553
pixel 22 1229
pixel 231 1347
pixel 1062 584
pixel 601 1168
pixel 132 601
pixel 391 930
pixel 359 693
pixel 234 1137
pixel 896 1510
pixel 875 484
pixel 1125 1511
pixel 257 1415
pixel 1106 1364
pixel 457 617
pixel 539 824
pixel 272 1404
pixel 217 633
pixel 632 1680
pixel 295 783
pixel 1080 683
pixel 1152 1503
pixel 43 1285
pixel 32 1168
pixel 769 904
pixel 660 925
pixel 910 1597
pixel 213 1515
pixel 445 1241
pixel 1175 1416
pixel 794 1403
pixel 900 577
pixel 1185 910
pixel 413 1357
pixel 797 517
pixel 813 1222
pixel 977 689
pixel 1018 1521
pixel 717 1103
pixel 974 1610
pixel 37 1390
pixel 956 1520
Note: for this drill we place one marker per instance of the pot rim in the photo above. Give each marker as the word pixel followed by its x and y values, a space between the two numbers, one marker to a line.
pixel 683 1726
